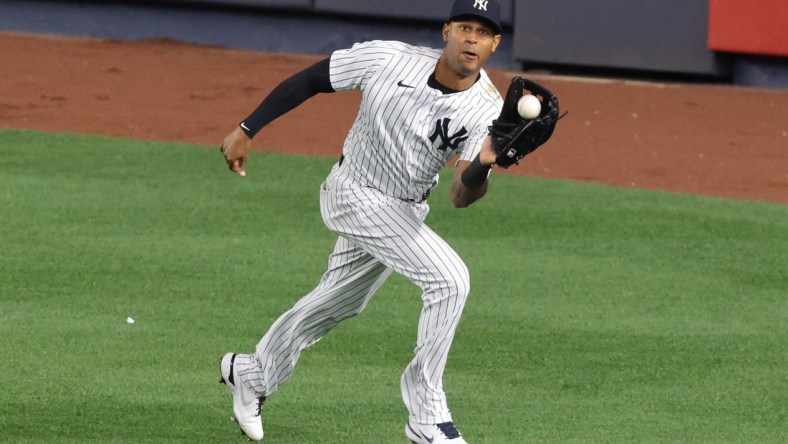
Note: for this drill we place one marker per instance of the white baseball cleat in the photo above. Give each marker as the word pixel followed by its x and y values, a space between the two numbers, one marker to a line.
pixel 247 406
pixel 443 433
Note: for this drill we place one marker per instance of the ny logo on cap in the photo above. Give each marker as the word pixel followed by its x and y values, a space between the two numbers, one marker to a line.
pixel 481 5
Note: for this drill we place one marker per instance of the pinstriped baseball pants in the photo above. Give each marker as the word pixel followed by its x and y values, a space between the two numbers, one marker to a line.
pixel 377 235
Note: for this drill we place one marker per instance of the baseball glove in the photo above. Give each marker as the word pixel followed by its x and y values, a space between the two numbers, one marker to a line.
pixel 514 137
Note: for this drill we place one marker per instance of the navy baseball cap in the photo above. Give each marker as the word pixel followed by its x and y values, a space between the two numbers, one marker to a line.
pixel 488 11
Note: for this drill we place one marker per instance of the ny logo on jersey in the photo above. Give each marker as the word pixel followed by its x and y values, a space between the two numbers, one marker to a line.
pixel 447 141
pixel 481 5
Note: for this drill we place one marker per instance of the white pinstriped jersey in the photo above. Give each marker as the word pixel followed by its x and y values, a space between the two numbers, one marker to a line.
pixel 404 133
pixel 405 130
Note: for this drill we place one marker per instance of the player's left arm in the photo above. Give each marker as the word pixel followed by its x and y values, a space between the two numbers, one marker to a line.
pixel 470 178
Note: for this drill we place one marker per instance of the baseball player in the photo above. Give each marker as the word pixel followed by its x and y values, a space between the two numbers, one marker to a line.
pixel 420 107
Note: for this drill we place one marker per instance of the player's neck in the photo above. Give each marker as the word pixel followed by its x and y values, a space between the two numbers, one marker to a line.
pixel 451 79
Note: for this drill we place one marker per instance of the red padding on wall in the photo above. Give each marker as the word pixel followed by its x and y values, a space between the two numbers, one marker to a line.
pixel 749 26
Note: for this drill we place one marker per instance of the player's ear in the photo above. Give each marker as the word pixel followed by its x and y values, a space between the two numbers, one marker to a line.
pixel 496 42
pixel 446 27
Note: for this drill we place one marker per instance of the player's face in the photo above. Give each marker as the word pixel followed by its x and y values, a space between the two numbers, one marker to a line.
pixel 469 44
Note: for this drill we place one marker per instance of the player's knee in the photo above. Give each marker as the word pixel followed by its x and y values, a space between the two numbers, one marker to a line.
pixel 458 283
pixel 464 286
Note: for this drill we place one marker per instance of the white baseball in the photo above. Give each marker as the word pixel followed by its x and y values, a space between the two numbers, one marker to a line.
pixel 529 107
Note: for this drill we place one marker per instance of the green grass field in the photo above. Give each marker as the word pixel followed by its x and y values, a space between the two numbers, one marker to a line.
pixel 597 314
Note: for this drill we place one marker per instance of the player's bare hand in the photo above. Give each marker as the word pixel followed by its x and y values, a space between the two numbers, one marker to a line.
pixel 235 149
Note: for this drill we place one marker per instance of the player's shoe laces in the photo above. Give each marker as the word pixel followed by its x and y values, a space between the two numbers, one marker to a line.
pixel 443 433
pixel 247 406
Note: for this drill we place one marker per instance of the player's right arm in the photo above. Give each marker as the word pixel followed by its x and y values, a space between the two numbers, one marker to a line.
pixel 286 96
pixel 235 148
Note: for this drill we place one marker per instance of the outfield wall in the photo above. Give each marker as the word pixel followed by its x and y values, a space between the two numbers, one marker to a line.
pixel 634 37
pixel 664 35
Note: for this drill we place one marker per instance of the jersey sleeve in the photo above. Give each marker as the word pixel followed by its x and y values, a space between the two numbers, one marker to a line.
pixel 351 68
pixel 490 103
pixel 474 143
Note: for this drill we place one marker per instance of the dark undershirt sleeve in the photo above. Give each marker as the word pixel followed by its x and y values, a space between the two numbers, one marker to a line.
pixel 288 95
